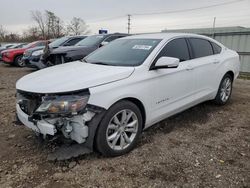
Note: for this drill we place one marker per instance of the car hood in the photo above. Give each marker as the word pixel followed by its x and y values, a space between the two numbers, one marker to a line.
pixel 15 50
pixel 71 77
pixel 63 50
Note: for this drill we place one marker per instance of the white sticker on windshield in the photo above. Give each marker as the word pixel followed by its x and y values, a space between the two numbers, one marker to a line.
pixel 142 47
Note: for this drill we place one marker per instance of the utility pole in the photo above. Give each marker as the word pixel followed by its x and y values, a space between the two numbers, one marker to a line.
pixel 58 28
pixel 129 23
pixel 214 27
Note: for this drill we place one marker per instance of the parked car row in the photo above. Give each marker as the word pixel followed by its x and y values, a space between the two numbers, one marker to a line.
pixel 40 54
pixel 14 56
pixel 10 46
pixel 105 101
pixel 32 56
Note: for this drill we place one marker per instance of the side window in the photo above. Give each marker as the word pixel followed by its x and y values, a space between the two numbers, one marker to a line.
pixel 111 38
pixel 217 48
pixel 201 47
pixel 72 42
pixel 176 48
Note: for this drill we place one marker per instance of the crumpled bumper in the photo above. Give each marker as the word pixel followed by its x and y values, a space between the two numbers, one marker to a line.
pixel 67 151
pixel 41 127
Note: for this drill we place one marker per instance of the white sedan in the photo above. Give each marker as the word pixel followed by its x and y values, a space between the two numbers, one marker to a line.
pixel 106 100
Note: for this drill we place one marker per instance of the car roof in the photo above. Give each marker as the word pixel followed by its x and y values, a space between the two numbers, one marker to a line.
pixel 77 36
pixel 164 35
pixel 110 34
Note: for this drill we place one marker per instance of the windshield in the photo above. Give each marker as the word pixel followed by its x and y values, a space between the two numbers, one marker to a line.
pixel 124 52
pixel 91 41
pixel 7 45
pixel 58 42
pixel 17 46
pixel 29 45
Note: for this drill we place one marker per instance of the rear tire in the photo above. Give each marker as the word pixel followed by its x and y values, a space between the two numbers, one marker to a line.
pixel 119 130
pixel 18 61
pixel 225 90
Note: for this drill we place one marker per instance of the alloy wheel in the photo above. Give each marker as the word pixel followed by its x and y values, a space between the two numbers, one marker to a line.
pixel 226 89
pixel 20 62
pixel 122 130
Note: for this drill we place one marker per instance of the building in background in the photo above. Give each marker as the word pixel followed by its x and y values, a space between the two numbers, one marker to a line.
pixel 236 38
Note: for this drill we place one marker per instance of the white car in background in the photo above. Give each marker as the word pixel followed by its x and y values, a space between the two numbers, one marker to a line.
pixel 107 99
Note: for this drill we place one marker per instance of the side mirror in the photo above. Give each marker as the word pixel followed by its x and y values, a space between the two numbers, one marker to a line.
pixel 104 43
pixel 166 62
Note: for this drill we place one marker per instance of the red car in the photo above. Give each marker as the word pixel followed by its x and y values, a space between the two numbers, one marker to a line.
pixel 14 56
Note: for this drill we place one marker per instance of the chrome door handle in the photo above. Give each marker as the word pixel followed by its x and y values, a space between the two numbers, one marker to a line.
pixel 189 68
pixel 216 62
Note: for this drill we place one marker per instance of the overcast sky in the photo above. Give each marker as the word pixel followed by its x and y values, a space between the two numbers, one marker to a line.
pixel 15 14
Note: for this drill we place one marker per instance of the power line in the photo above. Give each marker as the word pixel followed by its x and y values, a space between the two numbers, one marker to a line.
pixel 168 12
pixel 188 10
pixel 106 19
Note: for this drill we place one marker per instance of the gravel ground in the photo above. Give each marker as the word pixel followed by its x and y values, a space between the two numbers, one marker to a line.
pixel 205 146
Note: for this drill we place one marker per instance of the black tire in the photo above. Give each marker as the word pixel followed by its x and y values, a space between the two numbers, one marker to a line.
pixel 101 138
pixel 18 62
pixel 219 99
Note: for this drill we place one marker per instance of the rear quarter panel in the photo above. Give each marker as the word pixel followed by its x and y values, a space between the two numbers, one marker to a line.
pixel 229 61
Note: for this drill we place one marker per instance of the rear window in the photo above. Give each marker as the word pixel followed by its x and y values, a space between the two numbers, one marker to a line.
pixel 91 40
pixel 217 48
pixel 201 47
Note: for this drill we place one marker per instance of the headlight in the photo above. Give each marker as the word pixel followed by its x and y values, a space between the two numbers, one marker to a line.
pixel 37 53
pixel 6 54
pixel 68 104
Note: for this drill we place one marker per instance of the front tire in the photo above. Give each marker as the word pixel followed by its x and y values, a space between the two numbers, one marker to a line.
pixel 225 90
pixel 119 130
pixel 18 61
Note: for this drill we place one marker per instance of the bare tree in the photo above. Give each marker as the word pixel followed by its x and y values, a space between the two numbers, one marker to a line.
pixel 77 26
pixel 54 24
pixel 38 17
pixel 50 25
pixel 3 32
pixel 31 34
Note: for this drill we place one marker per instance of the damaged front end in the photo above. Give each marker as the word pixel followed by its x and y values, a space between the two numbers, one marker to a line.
pixel 65 114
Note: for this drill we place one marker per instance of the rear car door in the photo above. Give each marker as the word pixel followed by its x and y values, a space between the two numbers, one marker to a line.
pixel 204 65
pixel 172 87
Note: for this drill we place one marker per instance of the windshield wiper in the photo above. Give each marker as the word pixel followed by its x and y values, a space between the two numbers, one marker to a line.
pixel 83 60
pixel 97 63
pixel 100 63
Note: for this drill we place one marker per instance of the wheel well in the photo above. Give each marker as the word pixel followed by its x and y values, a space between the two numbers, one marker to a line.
pixel 16 56
pixel 231 74
pixel 139 104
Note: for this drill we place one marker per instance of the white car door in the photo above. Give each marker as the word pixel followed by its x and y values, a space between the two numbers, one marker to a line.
pixel 172 88
pixel 205 64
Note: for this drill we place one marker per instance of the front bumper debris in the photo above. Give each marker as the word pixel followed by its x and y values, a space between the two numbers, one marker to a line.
pixel 66 152
pixel 79 128
pixel 41 127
